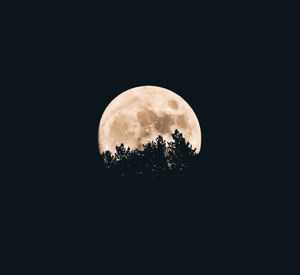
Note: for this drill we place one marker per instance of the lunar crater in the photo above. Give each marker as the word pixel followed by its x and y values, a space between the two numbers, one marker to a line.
pixel 173 104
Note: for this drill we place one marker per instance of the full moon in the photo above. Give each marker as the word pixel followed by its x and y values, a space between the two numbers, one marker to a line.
pixel 140 114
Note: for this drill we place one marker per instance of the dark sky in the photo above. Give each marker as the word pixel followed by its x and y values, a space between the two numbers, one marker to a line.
pixel 86 69
pixel 200 88
pixel 195 86
pixel 90 64
pixel 72 63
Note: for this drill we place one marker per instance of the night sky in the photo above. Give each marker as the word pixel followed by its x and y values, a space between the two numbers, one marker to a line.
pixel 192 200
pixel 196 87
pixel 71 65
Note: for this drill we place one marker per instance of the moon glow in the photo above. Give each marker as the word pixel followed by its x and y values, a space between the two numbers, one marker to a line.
pixel 140 114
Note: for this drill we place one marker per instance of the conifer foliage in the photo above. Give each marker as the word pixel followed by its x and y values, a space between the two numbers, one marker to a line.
pixel 157 159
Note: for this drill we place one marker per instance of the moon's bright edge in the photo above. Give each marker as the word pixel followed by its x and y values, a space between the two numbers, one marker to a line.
pixel 140 114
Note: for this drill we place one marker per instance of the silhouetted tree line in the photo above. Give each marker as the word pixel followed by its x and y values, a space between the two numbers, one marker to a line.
pixel 158 159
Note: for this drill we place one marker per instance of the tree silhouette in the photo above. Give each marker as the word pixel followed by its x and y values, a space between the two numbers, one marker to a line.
pixel 108 159
pixel 157 159
pixel 180 153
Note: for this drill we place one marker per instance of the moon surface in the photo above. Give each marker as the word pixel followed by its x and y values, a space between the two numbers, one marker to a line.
pixel 140 114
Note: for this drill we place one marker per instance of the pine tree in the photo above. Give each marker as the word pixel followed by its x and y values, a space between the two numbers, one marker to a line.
pixel 158 159
pixel 180 152
pixel 108 159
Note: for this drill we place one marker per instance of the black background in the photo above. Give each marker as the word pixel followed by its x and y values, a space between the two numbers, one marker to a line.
pixel 193 85
pixel 66 63
pixel 196 86
pixel 80 64
pixel 193 205
pixel 126 214
pixel 194 202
